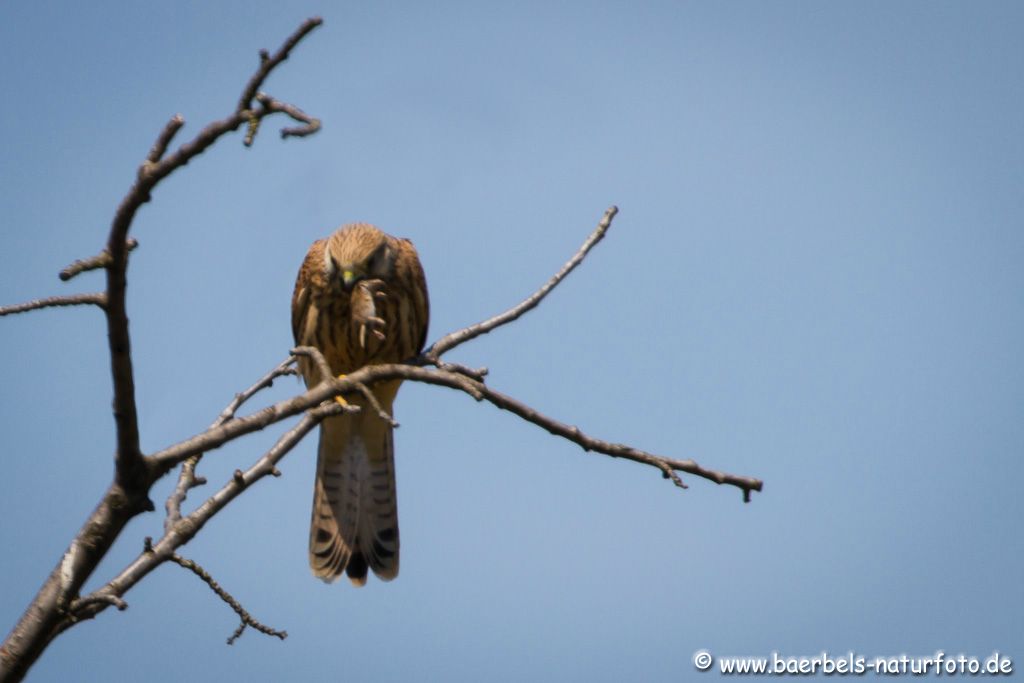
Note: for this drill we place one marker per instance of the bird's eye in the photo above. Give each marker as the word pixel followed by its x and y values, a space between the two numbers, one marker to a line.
pixel 376 262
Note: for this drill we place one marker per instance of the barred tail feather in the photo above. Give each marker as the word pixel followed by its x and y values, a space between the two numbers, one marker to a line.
pixel 354 525
pixel 378 519
pixel 332 533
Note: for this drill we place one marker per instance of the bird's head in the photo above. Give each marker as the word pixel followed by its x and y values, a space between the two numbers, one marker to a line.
pixel 358 251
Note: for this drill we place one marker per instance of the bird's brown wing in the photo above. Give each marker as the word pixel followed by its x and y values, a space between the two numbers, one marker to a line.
pixel 305 315
pixel 407 306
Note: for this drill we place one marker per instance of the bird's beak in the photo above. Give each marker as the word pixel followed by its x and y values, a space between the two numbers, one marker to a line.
pixel 348 278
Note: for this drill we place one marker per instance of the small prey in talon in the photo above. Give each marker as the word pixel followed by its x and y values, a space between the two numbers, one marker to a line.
pixel 364 309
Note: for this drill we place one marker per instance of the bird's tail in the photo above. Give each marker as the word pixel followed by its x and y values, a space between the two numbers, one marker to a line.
pixel 354 525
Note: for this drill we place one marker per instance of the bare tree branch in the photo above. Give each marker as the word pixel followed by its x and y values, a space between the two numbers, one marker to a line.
pixel 97 299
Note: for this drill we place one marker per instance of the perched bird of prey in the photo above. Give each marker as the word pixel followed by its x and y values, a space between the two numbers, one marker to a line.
pixel 360 298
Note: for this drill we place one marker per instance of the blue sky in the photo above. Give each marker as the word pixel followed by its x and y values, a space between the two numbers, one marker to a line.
pixel 815 278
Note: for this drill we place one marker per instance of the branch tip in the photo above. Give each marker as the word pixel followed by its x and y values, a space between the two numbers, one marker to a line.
pixel 243 615
pixel 100 260
pixel 163 141
pixel 269 61
pixel 98 299
pixel 450 341
pixel 80 604
pixel 310 124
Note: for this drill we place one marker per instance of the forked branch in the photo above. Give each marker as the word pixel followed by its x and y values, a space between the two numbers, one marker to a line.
pixel 243 615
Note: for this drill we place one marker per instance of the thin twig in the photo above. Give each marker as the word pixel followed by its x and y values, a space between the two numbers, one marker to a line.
pixel 106 600
pixel 371 398
pixel 187 478
pixel 268 61
pixel 100 260
pixel 473 373
pixel 97 299
pixel 283 368
pixel 247 619
pixel 164 139
pixel 310 123
pixel 450 341
pixel 313 354
pixel 238 633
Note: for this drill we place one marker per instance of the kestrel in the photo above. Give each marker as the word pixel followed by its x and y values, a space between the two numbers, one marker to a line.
pixel 360 298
